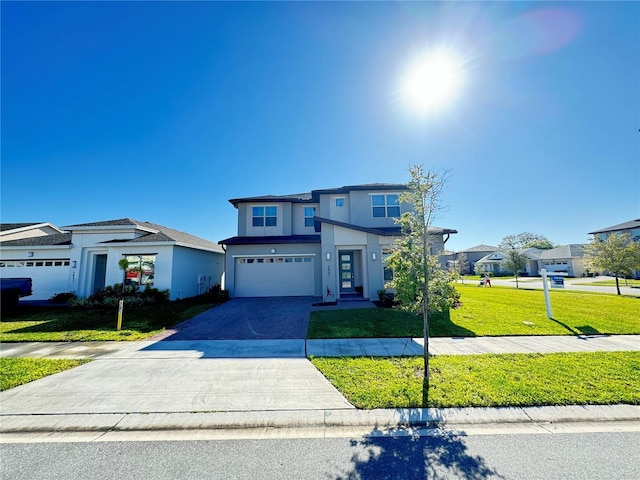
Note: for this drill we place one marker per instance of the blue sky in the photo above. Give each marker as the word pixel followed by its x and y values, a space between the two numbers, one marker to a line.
pixel 162 111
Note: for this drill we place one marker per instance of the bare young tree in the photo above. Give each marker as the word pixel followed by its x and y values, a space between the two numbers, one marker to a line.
pixel 419 284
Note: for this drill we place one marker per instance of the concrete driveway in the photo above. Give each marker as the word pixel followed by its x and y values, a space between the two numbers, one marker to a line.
pixel 248 319
pixel 247 354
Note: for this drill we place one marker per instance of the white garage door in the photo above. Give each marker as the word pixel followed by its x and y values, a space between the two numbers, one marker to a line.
pixel 48 276
pixel 274 276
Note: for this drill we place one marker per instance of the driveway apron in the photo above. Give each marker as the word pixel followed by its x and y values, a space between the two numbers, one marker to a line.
pixel 247 354
pixel 249 319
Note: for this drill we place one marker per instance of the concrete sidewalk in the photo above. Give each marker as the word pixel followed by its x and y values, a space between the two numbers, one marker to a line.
pixel 251 384
pixel 298 348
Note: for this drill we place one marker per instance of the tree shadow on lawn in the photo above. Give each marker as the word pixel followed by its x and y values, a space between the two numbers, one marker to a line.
pixel 406 453
pixel 440 325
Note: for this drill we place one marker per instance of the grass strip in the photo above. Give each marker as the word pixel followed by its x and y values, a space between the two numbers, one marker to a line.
pixel 18 371
pixel 487 380
pixel 496 311
pixel 62 324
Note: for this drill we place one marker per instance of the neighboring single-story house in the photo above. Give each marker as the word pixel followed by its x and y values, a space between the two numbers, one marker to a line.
pixel 495 262
pixel 474 254
pixel 84 258
pixel 566 259
pixel 326 243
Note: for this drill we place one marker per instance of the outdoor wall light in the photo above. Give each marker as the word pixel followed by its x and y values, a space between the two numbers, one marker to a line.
pixel 328 255
pixel 373 256
pixel 73 264
pixel 273 250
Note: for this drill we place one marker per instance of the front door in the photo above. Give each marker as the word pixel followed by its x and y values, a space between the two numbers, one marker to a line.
pixel 99 272
pixel 346 272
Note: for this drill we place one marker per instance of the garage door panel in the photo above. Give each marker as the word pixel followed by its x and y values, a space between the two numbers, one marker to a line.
pixel 274 276
pixel 46 281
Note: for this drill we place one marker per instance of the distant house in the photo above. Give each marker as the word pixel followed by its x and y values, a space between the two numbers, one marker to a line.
pixel 632 227
pixel 495 262
pixel 329 243
pixel 474 254
pixel 566 258
pixel 84 258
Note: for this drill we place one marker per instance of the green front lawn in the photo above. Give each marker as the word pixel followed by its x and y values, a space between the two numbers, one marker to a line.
pixel 487 380
pixel 493 311
pixel 17 371
pixel 60 324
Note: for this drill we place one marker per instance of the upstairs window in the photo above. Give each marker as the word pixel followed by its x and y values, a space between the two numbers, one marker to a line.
pixel 385 205
pixel 340 202
pixel 265 216
pixel 309 213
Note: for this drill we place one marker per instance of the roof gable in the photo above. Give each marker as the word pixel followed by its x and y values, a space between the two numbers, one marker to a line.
pixel 572 250
pixel 57 239
pixel 480 248
pixel 621 226
pixel 11 228
pixel 148 233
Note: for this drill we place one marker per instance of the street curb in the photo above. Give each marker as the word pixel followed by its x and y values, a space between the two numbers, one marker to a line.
pixel 316 419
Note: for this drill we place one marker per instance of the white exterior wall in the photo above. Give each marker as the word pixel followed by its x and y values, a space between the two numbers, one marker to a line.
pixel 198 271
pixel 82 283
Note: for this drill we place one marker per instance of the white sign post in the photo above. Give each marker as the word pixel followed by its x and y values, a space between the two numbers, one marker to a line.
pixel 545 287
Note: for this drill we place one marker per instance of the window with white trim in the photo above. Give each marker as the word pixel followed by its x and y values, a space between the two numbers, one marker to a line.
pixel 264 216
pixel 385 206
pixel 141 270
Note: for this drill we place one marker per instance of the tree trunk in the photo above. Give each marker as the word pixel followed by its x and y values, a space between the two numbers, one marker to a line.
pixel 617 284
pixel 517 281
pixel 425 334
pixel 425 311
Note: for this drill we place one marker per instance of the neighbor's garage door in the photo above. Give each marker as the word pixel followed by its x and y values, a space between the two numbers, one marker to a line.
pixel 274 276
pixel 48 276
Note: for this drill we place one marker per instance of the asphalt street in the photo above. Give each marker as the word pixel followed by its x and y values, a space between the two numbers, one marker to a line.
pixel 438 455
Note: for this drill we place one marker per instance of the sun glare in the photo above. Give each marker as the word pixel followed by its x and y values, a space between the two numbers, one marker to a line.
pixel 432 81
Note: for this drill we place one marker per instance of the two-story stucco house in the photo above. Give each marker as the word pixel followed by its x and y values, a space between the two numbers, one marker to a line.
pixel 632 227
pixel 327 243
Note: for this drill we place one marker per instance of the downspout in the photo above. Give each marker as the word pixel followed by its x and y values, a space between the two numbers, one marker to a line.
pixel 224 269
